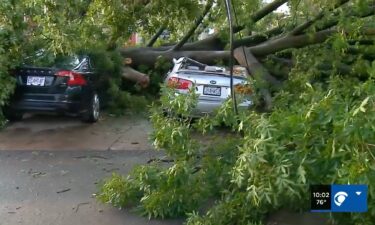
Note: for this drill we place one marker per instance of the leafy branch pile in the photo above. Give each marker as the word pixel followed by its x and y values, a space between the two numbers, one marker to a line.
pixel 118 96
pixel 321 131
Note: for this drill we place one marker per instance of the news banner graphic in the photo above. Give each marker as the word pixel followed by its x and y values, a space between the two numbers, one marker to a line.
pixel 338 198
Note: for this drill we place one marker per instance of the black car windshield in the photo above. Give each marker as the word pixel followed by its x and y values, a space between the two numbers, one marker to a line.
pixel 43 59
pixel 70 62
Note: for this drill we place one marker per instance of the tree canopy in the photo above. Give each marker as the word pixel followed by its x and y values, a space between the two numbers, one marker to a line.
pixel 65 26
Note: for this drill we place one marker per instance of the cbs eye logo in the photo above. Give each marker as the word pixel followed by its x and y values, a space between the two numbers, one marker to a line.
pixel 340 197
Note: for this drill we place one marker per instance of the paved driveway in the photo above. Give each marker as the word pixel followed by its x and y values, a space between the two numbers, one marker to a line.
pixel 50 167
pixel 56 187
pixel 45 132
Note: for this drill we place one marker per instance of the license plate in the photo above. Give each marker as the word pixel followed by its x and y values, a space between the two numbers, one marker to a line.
pixel 35 81
pixel 211 90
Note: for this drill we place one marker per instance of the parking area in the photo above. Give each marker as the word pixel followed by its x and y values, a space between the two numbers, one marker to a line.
pixel 58 187
pixel 51 133
pixel 50 168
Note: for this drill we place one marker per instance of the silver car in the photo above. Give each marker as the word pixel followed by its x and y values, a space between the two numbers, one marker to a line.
pixel 211 83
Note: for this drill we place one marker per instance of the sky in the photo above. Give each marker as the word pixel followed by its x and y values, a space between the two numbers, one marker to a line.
pixel 283 8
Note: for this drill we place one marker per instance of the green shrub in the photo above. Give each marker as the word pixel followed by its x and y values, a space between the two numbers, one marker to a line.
pixel 8 60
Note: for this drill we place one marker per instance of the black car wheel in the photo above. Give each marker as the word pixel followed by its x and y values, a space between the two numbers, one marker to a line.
pixel 12 115
pixel 92 113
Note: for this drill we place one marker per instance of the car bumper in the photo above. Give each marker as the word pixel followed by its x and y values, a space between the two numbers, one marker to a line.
pixel 43 106
pixel 206 106
pixel 47 103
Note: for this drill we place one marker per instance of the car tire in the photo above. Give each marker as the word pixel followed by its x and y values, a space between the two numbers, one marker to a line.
pixel 12 116
pixel 92 113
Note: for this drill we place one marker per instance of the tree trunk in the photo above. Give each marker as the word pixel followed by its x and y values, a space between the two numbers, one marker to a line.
pixel 259 72
pixel 246 59
pixel 148 56
pixel 135 76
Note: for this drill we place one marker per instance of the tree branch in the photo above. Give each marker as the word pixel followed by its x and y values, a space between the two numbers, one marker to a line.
pixel 245 58
pixel 258 38
pixel 198 21
pixel 299 29
pixel 155 37
pixel 279 44
pixel 215 43
pixel 259 72
pixel 370 11
pixel 148 56
pixel 140 78
pixel 84 12
pixel 283 61
pixel 261 13
pixel 267 10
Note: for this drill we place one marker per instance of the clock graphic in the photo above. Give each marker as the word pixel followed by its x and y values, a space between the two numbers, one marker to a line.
pixel 320 196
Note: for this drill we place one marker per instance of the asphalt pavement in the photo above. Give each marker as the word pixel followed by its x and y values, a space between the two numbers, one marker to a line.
pixel 58 187
pixel 61 133
pixel 50 167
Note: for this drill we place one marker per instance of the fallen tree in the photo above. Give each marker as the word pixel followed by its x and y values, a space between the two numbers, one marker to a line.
pixel 313 66
pixel 251 50
pixel 256 41
pixel 318 128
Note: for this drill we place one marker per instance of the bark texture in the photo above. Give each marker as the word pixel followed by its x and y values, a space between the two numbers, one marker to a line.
pixel 131 74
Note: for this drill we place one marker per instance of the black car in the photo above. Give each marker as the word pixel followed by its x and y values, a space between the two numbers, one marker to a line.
pixel 66 86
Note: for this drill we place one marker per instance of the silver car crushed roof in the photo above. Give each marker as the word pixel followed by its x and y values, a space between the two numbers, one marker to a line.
pixel 211 83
